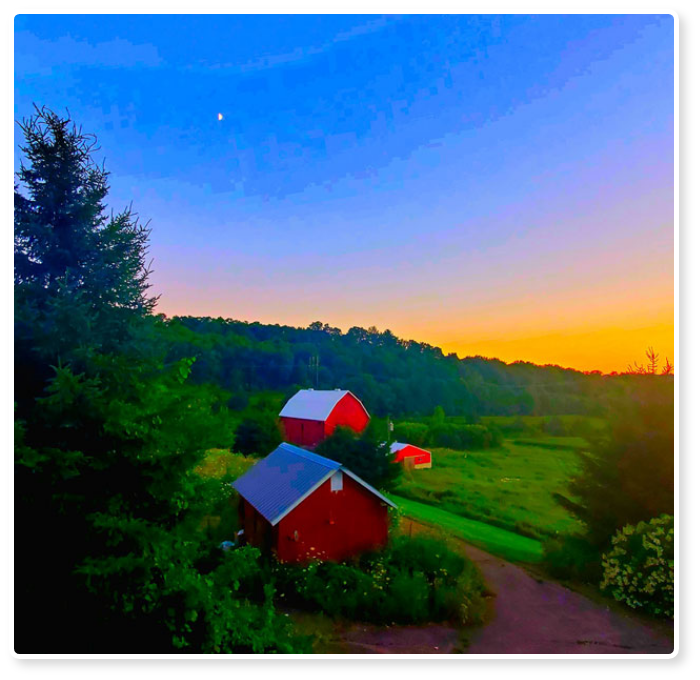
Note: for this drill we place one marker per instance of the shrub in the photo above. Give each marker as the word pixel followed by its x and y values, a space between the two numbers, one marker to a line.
pixel 573 558
pixel 461 437
pixel 412 433
pixel 414 580
pixel 639 569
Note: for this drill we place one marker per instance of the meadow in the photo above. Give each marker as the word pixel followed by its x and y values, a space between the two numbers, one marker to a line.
pixel 499 499
pixel 510 487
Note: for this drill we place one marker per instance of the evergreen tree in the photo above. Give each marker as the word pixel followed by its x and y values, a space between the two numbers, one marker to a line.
pixel 627 476
pixel 68 251
pixel 109 552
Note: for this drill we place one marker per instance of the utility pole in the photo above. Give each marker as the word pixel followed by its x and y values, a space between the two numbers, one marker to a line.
pixel 313 364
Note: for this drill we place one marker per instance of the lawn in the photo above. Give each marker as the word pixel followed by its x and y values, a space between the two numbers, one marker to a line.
pixel 510 487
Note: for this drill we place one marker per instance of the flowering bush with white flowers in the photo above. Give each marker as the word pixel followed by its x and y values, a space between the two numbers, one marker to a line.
pixel 639 569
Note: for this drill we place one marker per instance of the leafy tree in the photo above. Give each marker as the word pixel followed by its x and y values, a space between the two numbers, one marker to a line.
pixel 366 455
pixel 258 436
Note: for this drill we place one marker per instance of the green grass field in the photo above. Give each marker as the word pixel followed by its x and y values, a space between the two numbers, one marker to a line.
pixel 497 541
pixel 498 499
pixel 509 487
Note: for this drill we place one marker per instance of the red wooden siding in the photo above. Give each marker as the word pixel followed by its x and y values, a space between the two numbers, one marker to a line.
pixel 302 432
pixel 414 455
pixel 328 525
pixel 333 525
pixel 348 412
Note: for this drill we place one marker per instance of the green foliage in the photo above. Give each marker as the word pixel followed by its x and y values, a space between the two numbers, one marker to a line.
pixel 417 434
pixel 72 260
pixel 258 436
pixel 437 431
pixel 464 437
pixel 639 569
pixel 627 475
pixel 572 557
pixel 415 580
pixel 365 455
pixel 554 426
pixel 108 508
pixel 403 378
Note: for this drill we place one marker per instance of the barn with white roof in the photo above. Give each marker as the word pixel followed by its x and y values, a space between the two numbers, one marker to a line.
pixel 311 415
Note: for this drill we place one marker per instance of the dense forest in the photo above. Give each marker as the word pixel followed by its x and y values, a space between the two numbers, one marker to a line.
pixel 392 376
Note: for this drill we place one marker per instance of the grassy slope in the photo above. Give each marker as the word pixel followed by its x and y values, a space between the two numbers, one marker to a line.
pixel 506 544
pixel 510 487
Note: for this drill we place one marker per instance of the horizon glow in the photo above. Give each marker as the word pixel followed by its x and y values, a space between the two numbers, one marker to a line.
pixel 492 185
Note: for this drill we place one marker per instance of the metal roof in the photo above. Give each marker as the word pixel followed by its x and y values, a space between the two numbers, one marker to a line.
pixel 279 482
pixel 314 404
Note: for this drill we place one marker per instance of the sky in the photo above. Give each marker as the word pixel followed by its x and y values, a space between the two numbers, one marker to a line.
pixel 494 185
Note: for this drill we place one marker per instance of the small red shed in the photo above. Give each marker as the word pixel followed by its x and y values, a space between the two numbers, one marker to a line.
pixel 411 456
pixel 302 506
pixel 311 415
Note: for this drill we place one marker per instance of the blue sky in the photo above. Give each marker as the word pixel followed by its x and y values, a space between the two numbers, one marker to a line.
pixel 439 175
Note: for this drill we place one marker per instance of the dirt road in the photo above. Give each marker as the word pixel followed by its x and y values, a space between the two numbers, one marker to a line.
pixel 533 616
pixel 527 615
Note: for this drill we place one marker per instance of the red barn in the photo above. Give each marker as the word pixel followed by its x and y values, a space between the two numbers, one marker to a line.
pixel 311 415
pixel 411 456
pixel 302 506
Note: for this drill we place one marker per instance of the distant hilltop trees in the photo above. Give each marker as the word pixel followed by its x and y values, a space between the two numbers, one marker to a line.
pixel 392 376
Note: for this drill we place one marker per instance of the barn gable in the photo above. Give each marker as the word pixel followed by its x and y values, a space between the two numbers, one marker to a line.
pixel 411 454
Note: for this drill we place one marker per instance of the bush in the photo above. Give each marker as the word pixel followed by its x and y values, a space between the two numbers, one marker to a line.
pixel 414 580
pixel 572 558
pixel 461 437
pixel 412 433
pixel 639 569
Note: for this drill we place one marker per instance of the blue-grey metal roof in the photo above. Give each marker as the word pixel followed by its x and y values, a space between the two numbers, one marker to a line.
pixel 283 478
pixel 279 482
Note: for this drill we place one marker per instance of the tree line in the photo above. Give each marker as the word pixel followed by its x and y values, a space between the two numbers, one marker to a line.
pixel 392 376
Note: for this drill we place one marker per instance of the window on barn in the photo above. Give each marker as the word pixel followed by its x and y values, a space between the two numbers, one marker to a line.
pixel 337 481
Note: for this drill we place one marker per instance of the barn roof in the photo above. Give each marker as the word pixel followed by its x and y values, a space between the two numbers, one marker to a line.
pixel 314 404
pixel 398 446
pixel 282 480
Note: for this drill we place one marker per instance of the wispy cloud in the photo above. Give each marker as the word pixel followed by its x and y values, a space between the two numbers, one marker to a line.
pixel 303 53
pixel 34 56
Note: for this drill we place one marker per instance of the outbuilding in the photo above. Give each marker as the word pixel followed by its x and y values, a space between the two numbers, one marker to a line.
pixel 302 506
pixel 311 415
pixel 411 456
